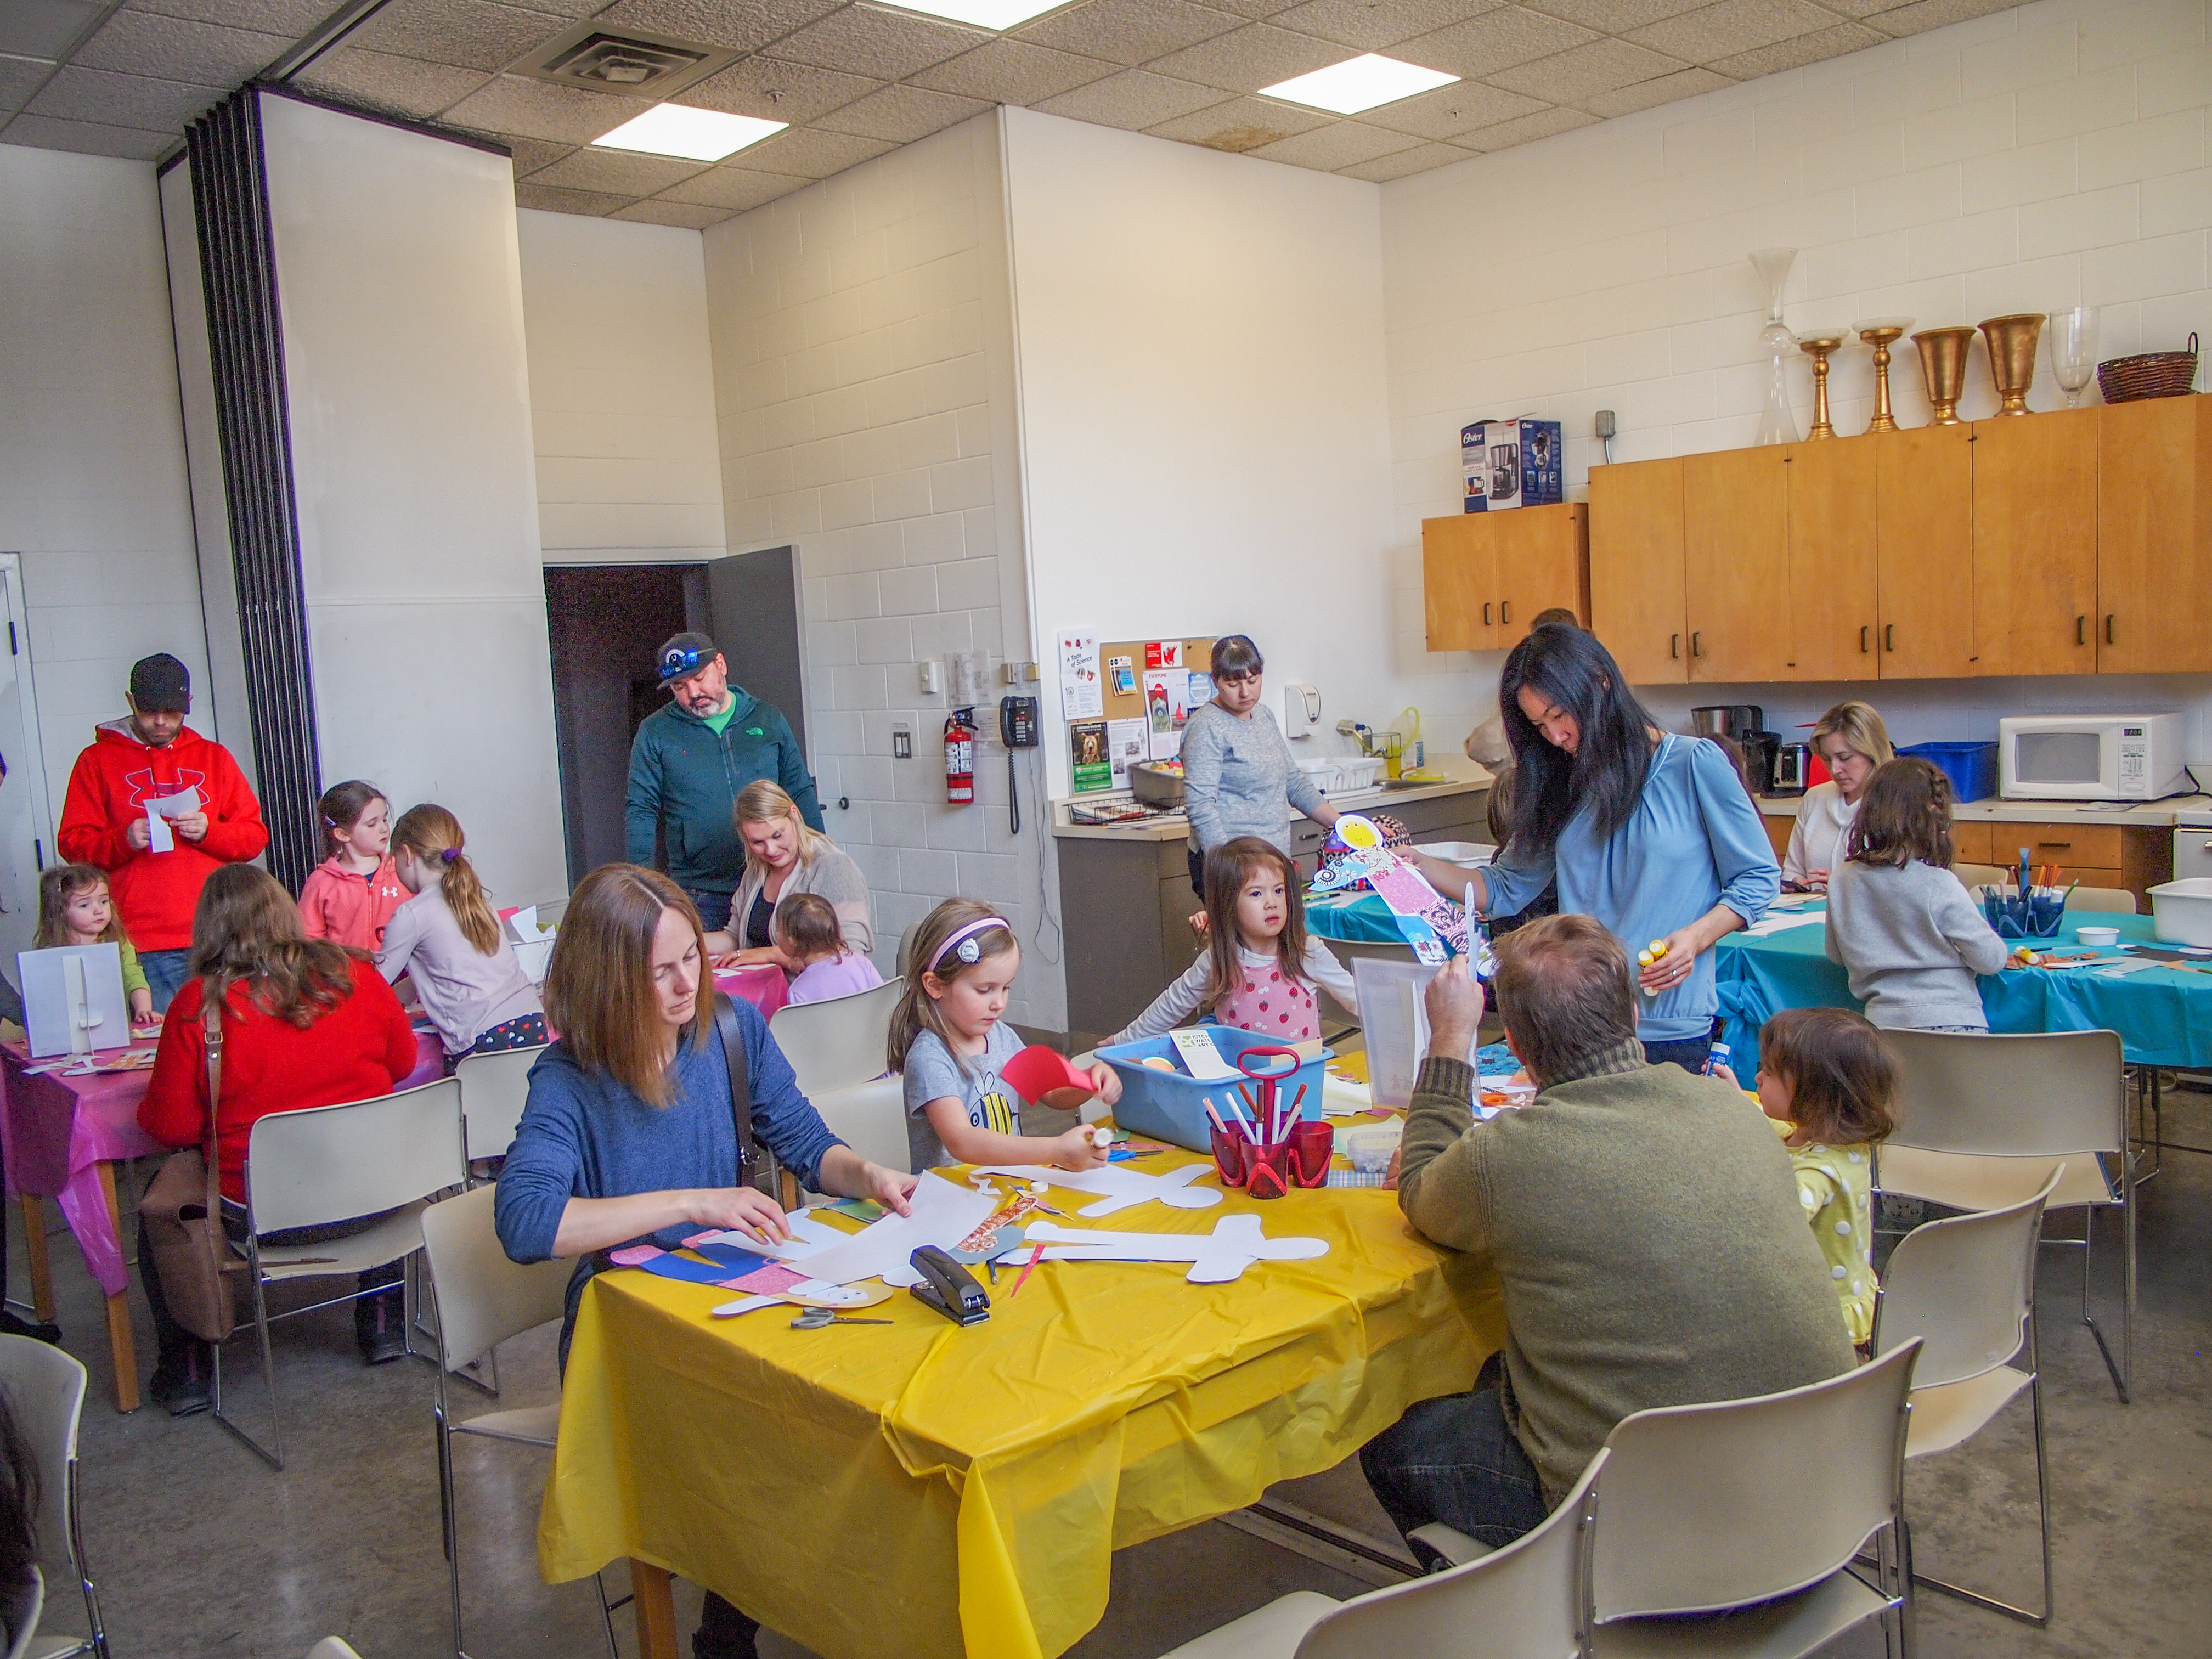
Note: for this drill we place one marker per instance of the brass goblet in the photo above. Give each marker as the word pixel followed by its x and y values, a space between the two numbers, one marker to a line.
pixel 1880 333
pixel 1818 346
pixel 1944 370
pixel 2012 358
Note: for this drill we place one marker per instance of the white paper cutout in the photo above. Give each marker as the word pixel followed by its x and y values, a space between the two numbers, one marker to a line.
pixel 1119 1187
pixel 1216 1258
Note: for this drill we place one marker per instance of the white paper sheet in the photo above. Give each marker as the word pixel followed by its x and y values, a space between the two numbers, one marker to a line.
pixel 1126 741
pixel 1216 1258
pixel 1081 696
pixel 73 999
pixel 1201 1059
pixel 158 838
pixel 1773 924
pixel 1119 1187
pixel 942 1213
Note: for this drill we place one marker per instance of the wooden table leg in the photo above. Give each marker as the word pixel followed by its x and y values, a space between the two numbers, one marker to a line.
pixel 653 1593
pixel 34 1246
pixel 121 1348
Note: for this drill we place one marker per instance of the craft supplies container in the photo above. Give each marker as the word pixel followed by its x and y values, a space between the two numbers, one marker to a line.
pixel 1228 1156
pixel 1154 785
pixel 1972 767
pixel 2037 916
pixel 1311 1146
pixel 1270 1171
pixel 2181 911
pixel 1369 1145
pixel 1169 1105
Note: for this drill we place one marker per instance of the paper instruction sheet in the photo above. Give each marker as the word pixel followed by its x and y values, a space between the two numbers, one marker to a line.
pixel 159 811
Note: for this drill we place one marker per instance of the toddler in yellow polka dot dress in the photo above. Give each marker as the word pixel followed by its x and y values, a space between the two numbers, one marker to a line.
pixel 1829 1082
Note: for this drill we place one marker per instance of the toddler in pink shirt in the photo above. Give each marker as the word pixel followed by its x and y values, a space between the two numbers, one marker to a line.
pixel 806 929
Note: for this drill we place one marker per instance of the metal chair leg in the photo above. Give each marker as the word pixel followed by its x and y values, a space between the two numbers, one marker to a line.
pixel 97 1643
pixel 1958 1592
pixel 274 1458
pixel 606 1616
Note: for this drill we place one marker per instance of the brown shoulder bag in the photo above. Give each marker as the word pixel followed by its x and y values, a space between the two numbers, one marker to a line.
pixel 180 1217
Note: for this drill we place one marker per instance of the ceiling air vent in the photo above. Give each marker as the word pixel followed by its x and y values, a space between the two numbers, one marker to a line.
pixel 633 63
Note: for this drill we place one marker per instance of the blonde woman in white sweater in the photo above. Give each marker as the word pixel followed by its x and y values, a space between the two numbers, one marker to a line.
pixel 784 856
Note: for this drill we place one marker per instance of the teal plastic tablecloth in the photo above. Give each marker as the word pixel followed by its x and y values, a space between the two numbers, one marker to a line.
pixel 1360 918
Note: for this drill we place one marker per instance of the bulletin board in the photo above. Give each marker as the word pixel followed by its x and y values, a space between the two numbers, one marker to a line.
pixel 1197 656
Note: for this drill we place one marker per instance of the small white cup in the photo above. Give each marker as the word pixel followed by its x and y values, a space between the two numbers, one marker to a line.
pixel 2100 938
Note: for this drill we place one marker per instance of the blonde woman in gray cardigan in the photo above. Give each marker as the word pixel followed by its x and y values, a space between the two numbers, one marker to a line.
pixel 783 856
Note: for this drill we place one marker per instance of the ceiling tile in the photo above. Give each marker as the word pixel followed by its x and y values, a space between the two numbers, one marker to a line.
pixel 1133 99
pixel 1619 16
pixel 1241 125
pixel 1013 72
pixel 89 138
pixel 45 28
pixel 289 18
pixel 1254 9
pixel 732 189
pixel 902 114
pixel 1933 13
pixel 406 85
pixel 1339 144
pixel 469 33
pixel 1371 25
pixel 1258 55
pixel 811 152
pixel 1527 130
pixel 746 24
pixel 1803 49
pixel 177 49
pixel 1733 25
pixel 887 45
pixel 682 214
pixel 615 172
pixel 1129 31
pixel 1457 109
pixel 567 201
pixel 21 77
pixel 1406 162
pixel 1576 75
pixel 1496 40
pixel 1648 95
pixel 122 101
pixel 539 109
pixel 529 155
pixel 774 90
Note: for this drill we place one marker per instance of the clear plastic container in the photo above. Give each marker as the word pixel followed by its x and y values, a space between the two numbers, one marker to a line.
pixel 1369 1146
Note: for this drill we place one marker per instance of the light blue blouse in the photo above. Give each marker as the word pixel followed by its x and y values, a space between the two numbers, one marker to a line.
pixel 1693 842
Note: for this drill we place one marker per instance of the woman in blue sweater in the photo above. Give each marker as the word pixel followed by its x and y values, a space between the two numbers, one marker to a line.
pixel 1651 833
pixel 629 1137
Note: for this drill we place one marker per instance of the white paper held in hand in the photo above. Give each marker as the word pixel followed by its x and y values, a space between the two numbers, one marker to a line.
pixel 158 838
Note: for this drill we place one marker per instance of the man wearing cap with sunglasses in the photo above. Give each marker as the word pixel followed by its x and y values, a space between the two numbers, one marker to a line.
pixel 686 764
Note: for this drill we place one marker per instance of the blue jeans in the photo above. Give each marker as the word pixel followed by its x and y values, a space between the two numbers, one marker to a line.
pixel 1455 1459
pixel 1691 1054
pixel 164 975
pixel 714 907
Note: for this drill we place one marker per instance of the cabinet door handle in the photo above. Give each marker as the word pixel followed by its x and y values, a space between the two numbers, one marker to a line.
pixel 1505 610
pixel 2081 631
pixel 1863 641
pixel 1889 637
pixel 2108 628
pixel 2054 843
pixel 1697 643
pixel 1674 645
pixel 1485 613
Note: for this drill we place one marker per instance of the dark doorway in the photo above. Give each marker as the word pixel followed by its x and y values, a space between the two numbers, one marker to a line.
pixel 603 623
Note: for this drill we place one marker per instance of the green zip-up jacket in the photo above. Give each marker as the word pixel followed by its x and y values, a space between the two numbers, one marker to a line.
pixel 684 777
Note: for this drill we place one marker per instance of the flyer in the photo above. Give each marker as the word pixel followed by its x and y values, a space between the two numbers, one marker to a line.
pixel 1081 697
pixel 1094 766
pixel 1122 672
pixel 1164 653
pixel 1167 708
pixel 1126 743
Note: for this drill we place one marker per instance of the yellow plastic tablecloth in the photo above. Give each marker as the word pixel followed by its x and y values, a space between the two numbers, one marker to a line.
pixel 929 1490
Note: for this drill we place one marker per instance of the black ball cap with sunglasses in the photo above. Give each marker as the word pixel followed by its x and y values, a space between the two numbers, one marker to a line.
pixel 684 656
pixel 160 682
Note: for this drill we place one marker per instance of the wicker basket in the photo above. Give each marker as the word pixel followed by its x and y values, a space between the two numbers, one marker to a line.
pixel 2153 374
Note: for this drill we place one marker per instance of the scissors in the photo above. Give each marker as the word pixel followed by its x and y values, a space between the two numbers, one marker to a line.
pixel 815 1318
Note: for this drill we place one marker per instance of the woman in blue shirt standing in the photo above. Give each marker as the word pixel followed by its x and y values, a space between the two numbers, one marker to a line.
pixel 1651 833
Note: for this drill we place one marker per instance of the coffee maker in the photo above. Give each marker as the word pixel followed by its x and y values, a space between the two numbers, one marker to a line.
pixel 1744 724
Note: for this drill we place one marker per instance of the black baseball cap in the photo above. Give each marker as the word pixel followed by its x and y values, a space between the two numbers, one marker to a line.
pixel 685 655
pixel 160 682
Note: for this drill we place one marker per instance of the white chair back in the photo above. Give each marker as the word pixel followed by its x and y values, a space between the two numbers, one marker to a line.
pixel 871 1119
pixel 495 1088
pixel 2117 900
pixel 836 1044
pixel 45 1391
pixel 483 1298
pixel 1704 1507
pixel 333 1162
pixel 1971 876
pixel 2039 1094
pixel 1963 1288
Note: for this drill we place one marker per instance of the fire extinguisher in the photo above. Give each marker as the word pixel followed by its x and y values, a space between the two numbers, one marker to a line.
pixel 960 757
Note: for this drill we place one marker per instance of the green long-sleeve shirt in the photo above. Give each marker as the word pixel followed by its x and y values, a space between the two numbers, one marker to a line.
pixel 1647 1233
pixel 685 776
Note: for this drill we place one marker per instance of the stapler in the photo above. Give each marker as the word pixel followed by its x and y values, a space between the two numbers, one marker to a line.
pixel 949 1288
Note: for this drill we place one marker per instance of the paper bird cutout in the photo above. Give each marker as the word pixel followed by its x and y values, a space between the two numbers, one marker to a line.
pixel 1216 1258
pixel 1436 927
pixel 1037 1071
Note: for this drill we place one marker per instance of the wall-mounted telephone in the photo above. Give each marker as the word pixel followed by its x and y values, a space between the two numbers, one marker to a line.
pixel 1018 722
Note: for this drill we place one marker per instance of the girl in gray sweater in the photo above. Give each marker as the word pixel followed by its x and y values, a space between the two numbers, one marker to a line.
pixel 1905 929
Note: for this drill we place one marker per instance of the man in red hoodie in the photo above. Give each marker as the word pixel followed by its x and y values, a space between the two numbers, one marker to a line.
pixel 106 819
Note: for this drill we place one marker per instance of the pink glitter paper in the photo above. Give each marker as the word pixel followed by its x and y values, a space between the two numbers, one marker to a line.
pixel 771 1280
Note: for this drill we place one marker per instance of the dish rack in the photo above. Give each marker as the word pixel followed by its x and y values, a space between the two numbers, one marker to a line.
pixel 1342 774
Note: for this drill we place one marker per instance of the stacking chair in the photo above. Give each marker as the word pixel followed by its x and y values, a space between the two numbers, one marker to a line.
pixel 494 1089
pixel 332 1163
pixel 2117 900
pixel 836 1044
pixel 1526 1600
pixel 482 1299
pixel 45 1392
pixel 333 1647
pixel 1978 875
pixel 1977 1115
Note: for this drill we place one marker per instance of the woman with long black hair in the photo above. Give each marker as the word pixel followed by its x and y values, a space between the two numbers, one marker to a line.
pixel 1651 833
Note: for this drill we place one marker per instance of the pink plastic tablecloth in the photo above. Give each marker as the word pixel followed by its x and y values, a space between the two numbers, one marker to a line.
pixel 56 1130
pixel 763 984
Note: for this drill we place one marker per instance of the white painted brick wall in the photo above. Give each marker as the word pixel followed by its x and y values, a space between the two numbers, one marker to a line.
pixel 864 422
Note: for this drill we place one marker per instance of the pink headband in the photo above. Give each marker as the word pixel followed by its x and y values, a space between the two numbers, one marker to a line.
pixel 963 943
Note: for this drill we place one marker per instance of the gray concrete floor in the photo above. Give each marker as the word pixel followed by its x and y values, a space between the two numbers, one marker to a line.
pixel 200 1550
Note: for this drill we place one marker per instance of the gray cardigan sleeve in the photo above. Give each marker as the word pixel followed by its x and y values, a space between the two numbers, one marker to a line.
pixel 836 877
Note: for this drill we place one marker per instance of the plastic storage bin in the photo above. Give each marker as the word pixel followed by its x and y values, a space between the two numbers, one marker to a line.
pixel 1972 767
pixel 1169 1105
pixel 2181 911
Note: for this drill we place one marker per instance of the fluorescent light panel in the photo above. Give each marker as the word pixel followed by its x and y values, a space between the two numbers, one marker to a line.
pixel 1359 83
pixel 687 134
pixel 983 13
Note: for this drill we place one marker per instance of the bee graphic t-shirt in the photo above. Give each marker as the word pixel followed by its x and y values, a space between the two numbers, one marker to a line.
pixel 932 1073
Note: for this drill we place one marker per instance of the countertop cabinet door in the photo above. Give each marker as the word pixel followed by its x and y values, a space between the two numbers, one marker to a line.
pixel 2153 537
pixel 1924 552
pixel 2035 542
pixel 1635 574
pixel 1832 487
pixel 1540 563
pixel 1735 518
pixel 1459 583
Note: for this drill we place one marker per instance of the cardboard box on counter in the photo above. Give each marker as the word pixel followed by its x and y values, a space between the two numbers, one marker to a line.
pixel 1508 464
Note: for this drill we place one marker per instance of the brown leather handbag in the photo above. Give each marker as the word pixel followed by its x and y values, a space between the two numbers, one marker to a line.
pixel 180 1217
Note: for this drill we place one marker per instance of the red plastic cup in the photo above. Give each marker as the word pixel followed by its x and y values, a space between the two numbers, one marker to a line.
pixel 1311 1146
pixel 1269 1170
pixel 1228 1156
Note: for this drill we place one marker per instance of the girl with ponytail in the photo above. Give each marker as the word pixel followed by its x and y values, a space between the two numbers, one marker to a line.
pixel 448 943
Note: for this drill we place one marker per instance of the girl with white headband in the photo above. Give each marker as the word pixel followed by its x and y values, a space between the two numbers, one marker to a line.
pixel 949 1040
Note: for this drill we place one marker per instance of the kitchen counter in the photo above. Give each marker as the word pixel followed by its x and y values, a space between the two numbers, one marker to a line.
pixel 2149 815
pixel 1174 826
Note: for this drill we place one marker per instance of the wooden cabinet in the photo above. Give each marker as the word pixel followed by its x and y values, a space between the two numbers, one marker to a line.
pixel 1638 604
pixel 1924 552
pixel 1485 576
pixel 2132 857
pixel 1734 508
pixel 2155 537
pixel 2035 542
pixel 1830 540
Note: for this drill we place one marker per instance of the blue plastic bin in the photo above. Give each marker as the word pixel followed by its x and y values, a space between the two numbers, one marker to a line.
pixel 1169 1105
pixel 1972 767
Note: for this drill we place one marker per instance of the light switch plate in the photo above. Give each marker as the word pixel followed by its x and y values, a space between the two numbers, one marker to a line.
pixel 902 740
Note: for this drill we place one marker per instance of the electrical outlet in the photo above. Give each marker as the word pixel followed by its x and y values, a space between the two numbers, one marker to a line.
pixel 902 740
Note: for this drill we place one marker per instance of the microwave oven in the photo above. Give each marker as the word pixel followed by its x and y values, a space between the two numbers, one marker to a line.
pixel 2091 757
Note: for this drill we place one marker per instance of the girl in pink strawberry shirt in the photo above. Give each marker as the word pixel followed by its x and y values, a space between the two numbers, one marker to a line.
pixel 1259 969
pixel 350 896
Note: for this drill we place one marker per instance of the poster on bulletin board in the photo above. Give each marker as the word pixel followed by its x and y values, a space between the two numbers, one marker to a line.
pixel 1081 696
pixel 1094 765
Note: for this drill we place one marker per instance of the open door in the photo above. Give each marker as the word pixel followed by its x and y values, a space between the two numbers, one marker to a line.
pixel 753 613
pixel 26 835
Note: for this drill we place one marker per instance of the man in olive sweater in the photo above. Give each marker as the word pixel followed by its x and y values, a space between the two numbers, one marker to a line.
pixel 1644 1222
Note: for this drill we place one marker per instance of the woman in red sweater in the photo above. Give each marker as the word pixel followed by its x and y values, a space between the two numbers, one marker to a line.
pixel 305 1023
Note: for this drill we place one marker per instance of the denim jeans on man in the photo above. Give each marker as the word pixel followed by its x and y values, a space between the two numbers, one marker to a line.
pixel 1455 1459
pixel 164 975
